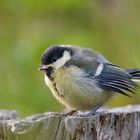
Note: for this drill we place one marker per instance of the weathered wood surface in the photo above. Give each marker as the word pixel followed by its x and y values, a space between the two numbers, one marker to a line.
pixel 114 124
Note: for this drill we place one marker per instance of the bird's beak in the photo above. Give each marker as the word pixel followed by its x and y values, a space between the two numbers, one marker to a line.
pixel 44 67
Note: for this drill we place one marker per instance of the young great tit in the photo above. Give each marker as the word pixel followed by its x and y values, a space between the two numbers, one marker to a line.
pixel 83 79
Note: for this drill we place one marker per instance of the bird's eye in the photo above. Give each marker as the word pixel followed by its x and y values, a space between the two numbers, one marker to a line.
pixel 53 59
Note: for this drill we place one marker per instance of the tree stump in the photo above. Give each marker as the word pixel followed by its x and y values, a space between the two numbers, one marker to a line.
pixel 110 124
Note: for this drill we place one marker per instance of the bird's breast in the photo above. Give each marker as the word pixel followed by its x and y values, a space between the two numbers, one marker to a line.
pixel 52 85
pixel 79 91
pixel 73 88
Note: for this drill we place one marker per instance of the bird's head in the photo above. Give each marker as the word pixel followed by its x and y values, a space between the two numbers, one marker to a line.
pixel 54 58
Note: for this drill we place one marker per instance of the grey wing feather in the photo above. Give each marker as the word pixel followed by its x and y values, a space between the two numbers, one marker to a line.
pixel 112 78
pixel 116 79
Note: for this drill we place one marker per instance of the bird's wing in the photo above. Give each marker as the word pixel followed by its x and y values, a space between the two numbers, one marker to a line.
pixel 113 78
pixel 108 76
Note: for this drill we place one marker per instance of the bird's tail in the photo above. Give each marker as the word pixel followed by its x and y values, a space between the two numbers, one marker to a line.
pixel 135 73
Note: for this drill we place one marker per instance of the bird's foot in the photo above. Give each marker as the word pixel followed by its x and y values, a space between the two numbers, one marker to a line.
pixel 91 113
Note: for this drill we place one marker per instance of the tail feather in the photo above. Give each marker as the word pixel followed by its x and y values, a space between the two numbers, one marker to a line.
pixel 135 73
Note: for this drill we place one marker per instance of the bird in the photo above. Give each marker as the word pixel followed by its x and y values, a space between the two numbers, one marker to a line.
pixel 83 79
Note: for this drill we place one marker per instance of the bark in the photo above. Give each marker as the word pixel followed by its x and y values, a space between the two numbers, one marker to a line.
pixel 110 124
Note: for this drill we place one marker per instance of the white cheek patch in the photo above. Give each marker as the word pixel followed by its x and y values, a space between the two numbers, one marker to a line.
pixel 61 61
pixel 99 69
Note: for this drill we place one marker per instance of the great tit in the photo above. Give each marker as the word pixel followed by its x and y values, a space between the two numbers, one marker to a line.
pixel 83 79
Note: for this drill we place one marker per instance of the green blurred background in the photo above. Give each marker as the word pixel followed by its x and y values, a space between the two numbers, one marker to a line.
pixel 28 27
